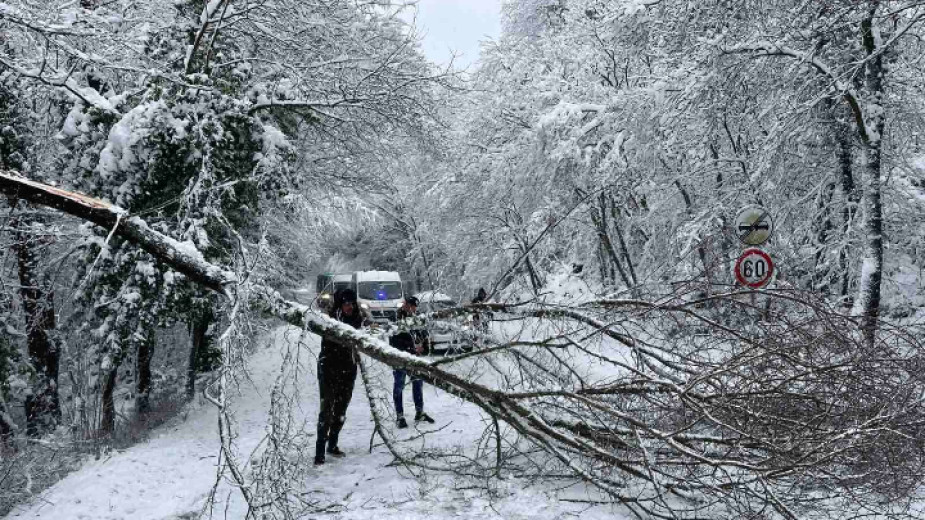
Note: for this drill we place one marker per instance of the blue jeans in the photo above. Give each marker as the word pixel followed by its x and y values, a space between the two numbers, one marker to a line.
pixel 417 392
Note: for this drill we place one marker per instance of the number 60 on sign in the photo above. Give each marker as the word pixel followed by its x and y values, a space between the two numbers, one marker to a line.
pixel 754 268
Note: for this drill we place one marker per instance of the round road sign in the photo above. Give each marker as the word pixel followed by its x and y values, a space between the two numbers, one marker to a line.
pixel 754 225
pixel 754 268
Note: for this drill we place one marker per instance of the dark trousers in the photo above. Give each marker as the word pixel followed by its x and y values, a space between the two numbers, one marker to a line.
pixel 336 388
pixel 417 392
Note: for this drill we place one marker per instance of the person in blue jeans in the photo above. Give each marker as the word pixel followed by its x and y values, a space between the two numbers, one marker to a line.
pixel 411 338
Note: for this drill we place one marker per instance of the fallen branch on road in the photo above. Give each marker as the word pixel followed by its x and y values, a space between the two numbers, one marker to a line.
pixel 733 423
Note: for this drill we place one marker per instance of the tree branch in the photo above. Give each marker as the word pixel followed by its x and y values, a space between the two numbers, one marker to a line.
pixel 771 49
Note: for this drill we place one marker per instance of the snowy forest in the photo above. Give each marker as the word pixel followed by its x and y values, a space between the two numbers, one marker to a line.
pixel 176 173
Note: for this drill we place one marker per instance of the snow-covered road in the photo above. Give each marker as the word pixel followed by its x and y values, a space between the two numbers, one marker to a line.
pixel 171 475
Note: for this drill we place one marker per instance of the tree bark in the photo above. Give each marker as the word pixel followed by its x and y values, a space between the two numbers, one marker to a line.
pixel 42 407
pixel 143 370
pixel 606 271
pixel 600 223
pixel 6 424
pixel 535 281
pixel 615 213
pixel 199 329
pixel 851 199
pixel 872 265
pixel 820 281
pixel 107 404
pixel 133 229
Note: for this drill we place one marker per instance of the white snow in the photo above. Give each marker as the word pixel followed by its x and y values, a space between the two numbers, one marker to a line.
pixel 91 96
pixel 565 111
pixel 75 123
pixel 171 475
pixel 118 155
pixel 433 296
pixel 274 139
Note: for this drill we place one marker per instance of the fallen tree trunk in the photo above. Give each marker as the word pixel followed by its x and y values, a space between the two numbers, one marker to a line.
pixel 188 261
pixel 754 421
pixel 180 256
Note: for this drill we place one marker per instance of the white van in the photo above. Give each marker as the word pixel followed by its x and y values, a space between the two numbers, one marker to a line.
pixel 379 293
pixel 328 285
pixel 342 281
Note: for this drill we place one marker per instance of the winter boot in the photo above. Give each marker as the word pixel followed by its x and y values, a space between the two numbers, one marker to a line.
pixel 402 423
pixel 421 416
pixel 335 451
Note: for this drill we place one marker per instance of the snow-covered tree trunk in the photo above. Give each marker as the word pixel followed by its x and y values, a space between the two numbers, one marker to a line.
pixel 868 303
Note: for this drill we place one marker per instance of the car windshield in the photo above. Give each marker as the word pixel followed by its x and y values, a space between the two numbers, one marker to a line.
pixel 323 283
pixel 338 286
pixel 379 290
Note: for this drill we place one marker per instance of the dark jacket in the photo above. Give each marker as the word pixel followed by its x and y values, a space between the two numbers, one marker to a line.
pixel 336 356
pixel 411 330
pixel 480 297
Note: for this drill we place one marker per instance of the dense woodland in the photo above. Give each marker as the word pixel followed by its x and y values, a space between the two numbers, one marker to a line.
pixel 605 145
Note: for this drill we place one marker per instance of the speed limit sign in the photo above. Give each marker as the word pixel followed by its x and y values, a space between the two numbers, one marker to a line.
pixel 754 268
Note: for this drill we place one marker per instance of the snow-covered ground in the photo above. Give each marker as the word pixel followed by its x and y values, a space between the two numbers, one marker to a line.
pixel 172 475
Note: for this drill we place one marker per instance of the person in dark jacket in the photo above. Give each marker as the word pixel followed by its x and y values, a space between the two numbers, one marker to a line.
pixel 411 338
pixel 477 322
pixel 337 372
pixel 480 296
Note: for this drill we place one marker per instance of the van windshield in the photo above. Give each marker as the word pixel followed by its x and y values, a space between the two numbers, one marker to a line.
pixel 379 290
pixel 339 286
pixel 323 283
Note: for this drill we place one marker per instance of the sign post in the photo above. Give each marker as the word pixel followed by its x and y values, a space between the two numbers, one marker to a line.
pixel 754 268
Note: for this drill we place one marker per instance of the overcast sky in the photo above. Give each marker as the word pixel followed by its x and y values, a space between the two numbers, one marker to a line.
pixel 457 25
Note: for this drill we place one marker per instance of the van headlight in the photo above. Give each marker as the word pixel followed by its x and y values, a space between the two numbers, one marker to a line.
pixel 325 296
pixel 364 306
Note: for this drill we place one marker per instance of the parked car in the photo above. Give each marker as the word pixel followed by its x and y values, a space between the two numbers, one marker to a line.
pixel 443 338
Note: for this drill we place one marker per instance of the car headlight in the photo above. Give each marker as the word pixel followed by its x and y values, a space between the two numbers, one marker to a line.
pixel 325 296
